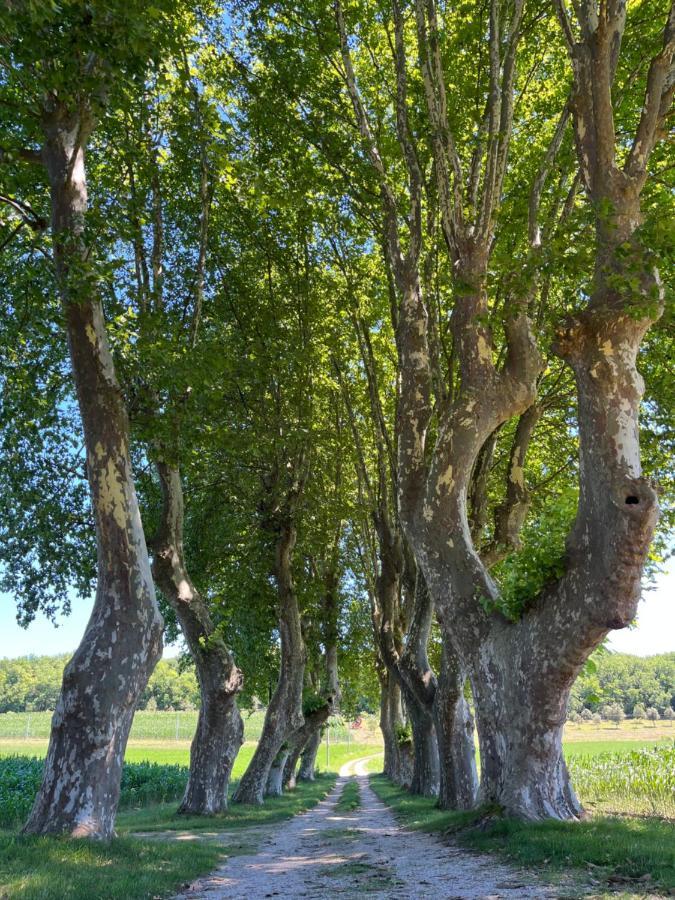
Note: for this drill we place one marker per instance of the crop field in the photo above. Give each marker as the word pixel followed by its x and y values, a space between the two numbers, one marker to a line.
pixel 624 770
pixel 144 783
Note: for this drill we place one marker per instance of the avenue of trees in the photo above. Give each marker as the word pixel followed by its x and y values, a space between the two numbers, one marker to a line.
pixel 336 338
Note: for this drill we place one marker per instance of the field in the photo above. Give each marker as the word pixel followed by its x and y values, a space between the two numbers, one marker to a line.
pixel 610 775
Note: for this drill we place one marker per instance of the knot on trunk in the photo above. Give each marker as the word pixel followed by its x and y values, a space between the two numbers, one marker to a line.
pixel 600 334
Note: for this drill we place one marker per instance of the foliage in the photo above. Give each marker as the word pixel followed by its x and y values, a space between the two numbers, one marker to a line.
pixel 630 681
pixel 32 683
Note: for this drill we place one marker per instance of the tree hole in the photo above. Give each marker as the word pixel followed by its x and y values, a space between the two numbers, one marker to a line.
pixel 632 499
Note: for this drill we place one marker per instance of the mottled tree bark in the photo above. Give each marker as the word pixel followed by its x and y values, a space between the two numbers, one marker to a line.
pixel 275 778
pixel 300 739
pixel 220 729
pixel 284 712
pixel 391 719
pixel 454 728
pixel 123 639
pixel 306 772
pixel 419 689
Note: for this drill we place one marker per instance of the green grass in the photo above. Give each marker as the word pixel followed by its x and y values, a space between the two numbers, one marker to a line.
pixel 595 748
pixel 153 725
pixel 607 847
pixel 238 816
pixel 62 869
pixel 337 755
pixel 131 868
pixel 350 798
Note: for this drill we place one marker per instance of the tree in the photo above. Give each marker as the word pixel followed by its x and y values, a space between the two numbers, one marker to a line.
pixel 79 59
pixel 614 713
pixel 557 631
pixel 639 711
pixel 169 408
pixel 652 714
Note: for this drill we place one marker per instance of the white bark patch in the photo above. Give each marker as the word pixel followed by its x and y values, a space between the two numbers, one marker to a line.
pixel 445 481
pixel 484 352
pixel 111 494
pixel 517 476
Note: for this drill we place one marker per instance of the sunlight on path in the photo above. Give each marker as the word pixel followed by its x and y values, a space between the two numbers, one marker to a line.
pixel 357 766
pixel 325 852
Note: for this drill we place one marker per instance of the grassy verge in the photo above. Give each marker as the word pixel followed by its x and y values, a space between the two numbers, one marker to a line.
pixel 275 809
pixel 61 869
pixel 617 852
pixel 132 868
pixel 350 798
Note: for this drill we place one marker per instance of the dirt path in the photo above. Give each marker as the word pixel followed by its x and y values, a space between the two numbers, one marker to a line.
pixel 325 852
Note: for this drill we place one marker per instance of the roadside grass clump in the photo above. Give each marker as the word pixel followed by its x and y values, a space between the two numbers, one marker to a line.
pixel 640 782
pixel 350 798
pixel 616 850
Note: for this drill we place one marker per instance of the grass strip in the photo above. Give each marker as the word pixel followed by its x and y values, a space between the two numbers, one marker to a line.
pixel 616 851
pixel 350 798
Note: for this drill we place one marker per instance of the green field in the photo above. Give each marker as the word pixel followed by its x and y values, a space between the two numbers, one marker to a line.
pixel 168 726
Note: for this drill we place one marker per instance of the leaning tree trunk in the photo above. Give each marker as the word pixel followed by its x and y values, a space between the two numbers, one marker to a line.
pixel 300 739
pixel 220 729
pixel 310 733
pixel 275 778
pixel 425 778
pixel 307 770
pixel 123 640
pixel 284 713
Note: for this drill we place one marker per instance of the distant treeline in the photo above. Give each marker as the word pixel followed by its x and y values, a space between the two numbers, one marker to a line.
pixel 32 684
pixel 628 681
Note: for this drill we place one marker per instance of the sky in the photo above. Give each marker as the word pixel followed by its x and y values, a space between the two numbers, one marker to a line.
pixel 655 631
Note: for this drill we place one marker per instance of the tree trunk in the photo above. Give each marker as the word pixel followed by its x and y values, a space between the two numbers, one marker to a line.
pixel 123 639
pixel 275 779
pixel 425 779
pixel 391 720
pixel 454 729
pixel 220 729
pixel 308 757
pixel 297 742
pixel 418 683
pixel 284 713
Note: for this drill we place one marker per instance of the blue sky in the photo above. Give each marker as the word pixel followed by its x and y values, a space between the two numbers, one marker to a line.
pixel 655 632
